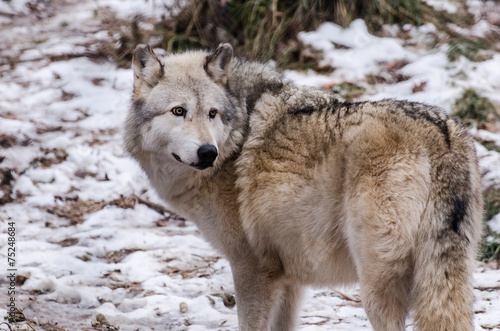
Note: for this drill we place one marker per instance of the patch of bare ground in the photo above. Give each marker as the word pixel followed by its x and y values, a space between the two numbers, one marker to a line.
pixel 75 209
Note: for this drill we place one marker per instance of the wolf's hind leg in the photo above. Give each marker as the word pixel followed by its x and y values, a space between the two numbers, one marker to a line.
pixel 385 290
pixel 386 296
pixel 380 237
pixel 285 311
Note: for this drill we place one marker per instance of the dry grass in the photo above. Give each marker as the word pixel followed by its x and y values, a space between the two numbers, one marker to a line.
pixel 491 243
pixel 267 29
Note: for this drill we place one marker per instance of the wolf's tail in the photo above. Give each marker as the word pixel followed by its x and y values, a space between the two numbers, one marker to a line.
pixel 447 246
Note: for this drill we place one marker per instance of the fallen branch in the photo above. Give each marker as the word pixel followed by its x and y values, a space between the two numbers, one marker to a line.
pixel 324 320
pixel 488 288
pixel 155 206
pixel 347 297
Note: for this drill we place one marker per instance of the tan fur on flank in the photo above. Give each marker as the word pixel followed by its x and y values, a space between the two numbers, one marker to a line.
pixel 300 189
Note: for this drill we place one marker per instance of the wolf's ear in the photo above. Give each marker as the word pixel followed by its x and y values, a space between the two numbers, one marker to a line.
pixel 147 67
pixel 217 63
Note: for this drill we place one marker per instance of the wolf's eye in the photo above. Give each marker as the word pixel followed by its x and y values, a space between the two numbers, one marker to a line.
pixel 178 111
pixel 212 113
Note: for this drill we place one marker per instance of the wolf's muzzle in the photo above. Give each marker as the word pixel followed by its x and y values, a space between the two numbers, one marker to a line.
pixel 206 156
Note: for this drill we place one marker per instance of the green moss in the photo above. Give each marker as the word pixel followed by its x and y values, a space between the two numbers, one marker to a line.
pixel 491 249
pixel 489 145
pixel 491 243
pixel 491 202
pixel 466 47
pixel 473 107
pixel 348 91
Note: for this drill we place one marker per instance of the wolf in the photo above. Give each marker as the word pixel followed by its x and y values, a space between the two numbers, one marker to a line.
pixel 299 189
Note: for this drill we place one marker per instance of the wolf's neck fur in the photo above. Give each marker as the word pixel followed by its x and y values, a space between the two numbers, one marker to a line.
pixel 247 81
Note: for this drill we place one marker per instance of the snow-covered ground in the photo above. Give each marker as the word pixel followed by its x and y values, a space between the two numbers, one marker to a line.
pixel 90 235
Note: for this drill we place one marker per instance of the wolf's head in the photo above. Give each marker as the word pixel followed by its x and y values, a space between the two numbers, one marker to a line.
pixel 181 109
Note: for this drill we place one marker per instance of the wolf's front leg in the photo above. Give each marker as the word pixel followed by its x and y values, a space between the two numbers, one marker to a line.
pixel 258 293
pixel 285 312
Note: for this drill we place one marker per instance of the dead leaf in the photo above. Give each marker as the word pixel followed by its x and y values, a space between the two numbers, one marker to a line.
pixel 84 173
pixel 6 185
pixel 418 87
pixel 329 85
pixel 98 81
pixel 44 162
pixel 125 202
pixel 67 242
pixel 21 279
pixel 74 210
pixel 7 141
pixel 45 129
pixel 118 256
pixel 66 96
pixel 489 127
pixel 396 65
pixel 114 286
pixel 9 115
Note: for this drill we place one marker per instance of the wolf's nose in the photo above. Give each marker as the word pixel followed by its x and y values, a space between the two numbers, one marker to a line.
pixel 207 154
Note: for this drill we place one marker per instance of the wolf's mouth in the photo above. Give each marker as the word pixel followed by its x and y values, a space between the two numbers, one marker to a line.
pixel 177 157
pixel 199 166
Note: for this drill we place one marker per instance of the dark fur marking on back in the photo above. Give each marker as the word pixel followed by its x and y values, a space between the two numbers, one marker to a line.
pixel 349 109
pixel 416 113
pixel 322 105
pixel 307 110
pixel 256 93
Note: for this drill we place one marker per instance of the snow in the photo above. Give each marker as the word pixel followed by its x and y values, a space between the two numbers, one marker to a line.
pixel 450 7
pixel 87 234
pixel 353 63
pixel 494 223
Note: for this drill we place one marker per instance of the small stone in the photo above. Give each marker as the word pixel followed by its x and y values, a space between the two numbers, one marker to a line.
pixel 183 307
pixel 228 300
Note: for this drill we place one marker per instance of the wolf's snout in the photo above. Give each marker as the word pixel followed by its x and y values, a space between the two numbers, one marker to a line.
pixel 207 154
